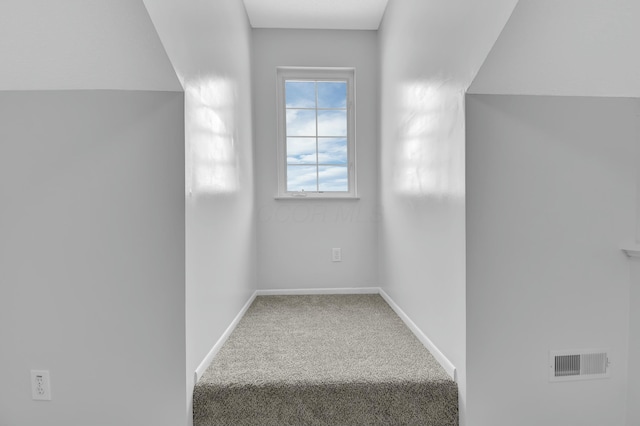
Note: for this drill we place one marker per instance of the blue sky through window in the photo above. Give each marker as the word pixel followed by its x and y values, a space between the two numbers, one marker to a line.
pixel 316 128
pixel 332 94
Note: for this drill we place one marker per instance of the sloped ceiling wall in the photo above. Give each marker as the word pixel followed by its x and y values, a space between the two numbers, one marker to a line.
pixel 430 52
pixel 209 44
pixel 566 48
pixel 79 44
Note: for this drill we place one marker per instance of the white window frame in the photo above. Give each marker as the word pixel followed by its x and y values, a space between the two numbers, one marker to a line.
pixel 317 74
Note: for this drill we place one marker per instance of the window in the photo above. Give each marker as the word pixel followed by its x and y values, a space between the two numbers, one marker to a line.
pixel 316 142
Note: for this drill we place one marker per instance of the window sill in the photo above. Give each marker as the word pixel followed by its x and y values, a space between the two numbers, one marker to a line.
pixel 328 198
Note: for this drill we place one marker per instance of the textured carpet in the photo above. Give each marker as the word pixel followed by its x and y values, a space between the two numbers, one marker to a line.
pixel 324 360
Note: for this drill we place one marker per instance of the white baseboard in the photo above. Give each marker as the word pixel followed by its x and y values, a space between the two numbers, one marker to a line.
pixel 306 291
pixel 214 350
pixel 439 356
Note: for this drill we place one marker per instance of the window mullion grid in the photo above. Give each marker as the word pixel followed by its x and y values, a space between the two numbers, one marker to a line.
pixel 317 109
pixel 317 165
pixel 350 140
pixel 286 137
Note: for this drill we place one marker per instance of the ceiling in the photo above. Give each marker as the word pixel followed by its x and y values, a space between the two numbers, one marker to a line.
pixel 316 14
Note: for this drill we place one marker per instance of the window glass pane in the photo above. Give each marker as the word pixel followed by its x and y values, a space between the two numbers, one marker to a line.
pixel 300 94
pixel 332 123
pixel 333 178
pixel 302 178
pixel 314 132
pixel 332 151
pixel 301 122
pixel 332 94
pixel 301 151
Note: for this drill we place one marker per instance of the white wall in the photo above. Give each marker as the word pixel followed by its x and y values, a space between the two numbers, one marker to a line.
pixel 550 200
pixel 295 237
pixel 633 410
pixel 209 44
pixel 92 257
pixel 568 47
pixel 429 54
pixel 79 44
pixel 581 48
pixel 92 220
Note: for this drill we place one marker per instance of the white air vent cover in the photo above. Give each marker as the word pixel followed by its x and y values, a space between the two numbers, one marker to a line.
pixel 578 365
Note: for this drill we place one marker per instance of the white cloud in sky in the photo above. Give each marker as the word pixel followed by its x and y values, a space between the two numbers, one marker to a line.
pixel 332 123
pixel 330 151
pixel 333 178
pixel 302 178
pixel 302 122
pixel 301 150
pixel 330 178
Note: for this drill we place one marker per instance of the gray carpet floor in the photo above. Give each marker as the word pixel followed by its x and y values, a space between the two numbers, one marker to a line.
pixel 324 360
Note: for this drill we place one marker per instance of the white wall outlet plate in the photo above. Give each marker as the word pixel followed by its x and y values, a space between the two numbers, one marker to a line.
pixel 336 255
pixel 40 385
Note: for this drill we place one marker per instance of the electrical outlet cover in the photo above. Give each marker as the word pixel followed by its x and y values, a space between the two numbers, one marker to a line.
pixel 336 254
pixel 40 385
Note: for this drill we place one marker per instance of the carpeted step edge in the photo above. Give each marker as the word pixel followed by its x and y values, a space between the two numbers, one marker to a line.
pixel 432 403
